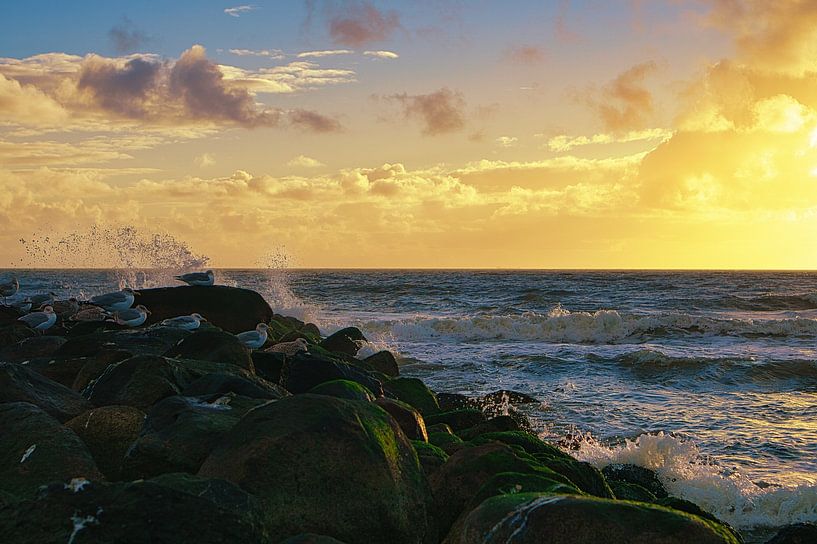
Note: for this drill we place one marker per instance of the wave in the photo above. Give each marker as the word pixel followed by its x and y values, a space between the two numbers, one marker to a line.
pixel 686 474
pixel 769 303
pixel 600 327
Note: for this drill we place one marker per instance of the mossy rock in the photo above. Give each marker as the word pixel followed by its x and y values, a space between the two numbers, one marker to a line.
pixel 213 345
pixel 689 507
pixel 407 417
pixel 217 384
pixel 343 389
pixel 269 365
pixel 139 381
pixel 583 475
pixel 96 365
pixel 498 424
pixel 62 371
pixel 21 384
pixel 448 442
pixel 36 450
pixel 507 483
pixel 311 538
pixel 31 348
pixel 152 341
pixel 798 533
pixel 635 474
pixel 108 432
pixel 459 420
pixel 329 466
pixel 224 494
pixel 384 362
pixel 347 341
pixel 307 370
pixel 528 442
pixel 630 492
pixel 431 457
pixel 533 518
pixel 414 392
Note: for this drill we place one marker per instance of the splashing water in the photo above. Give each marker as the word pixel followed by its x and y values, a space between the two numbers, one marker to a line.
pixel 276 289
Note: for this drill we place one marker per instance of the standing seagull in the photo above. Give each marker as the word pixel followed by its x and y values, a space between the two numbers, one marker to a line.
pixel 9 286
pixel 254 339
pixel 187 322
pixel 290 349
pixel 198 278
pixel 40 320
pixel 131 317
pixel 121 300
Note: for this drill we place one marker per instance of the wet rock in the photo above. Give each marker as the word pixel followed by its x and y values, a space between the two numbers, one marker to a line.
pixel 141 512
pixel 369 488
pixel 347 341
pixel 305 371
pixel 268 365
pixel 230 308
pixel 383 362
pixel 637 475
pixel 14 332
pixel 507 483
pixel 583 475
pixel 36 450
pixel 528 442
pixel 139 381
pixel 343 389
pixel 683 505
pixel 799 533
pixel 62 371
pixel 431 457
pixel 459 420
pixel 504 398
pixel 108 432
pixel 311 538
pixel 20 384
pixel 448 442
pixel 212 386
pixel 407 417
pixel 95 366
pixel 625 491
pixel 152 341
pixel 215 346
pixel 533 518
pixel 222 493
pixel 454 401
pixel 496 424
pixel 414 392
pixel 29 348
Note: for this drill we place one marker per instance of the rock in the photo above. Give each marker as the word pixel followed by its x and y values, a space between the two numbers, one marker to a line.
pixel 799 533
pixel 504 398
pixel 637 475
pixel 431 457
pixel 347 341
pixel 178 434
pixel 222 493
pixel 141 512
pixel 268 365
pixel 95 366
pixel 343 389
pixel 36 450
pixel 305 371
pixel 311 538
pixel 407 417
pixel 152 341
pixel 454 401
pixel 458 420
pixel 29 348
pixel 108 432
pixel 533 518
pixel 683 505
pixel 212 386
pixel 20 384
pixel 528 442
pixel 414 392
pixel 215 346
pixel 506 483
pixel 496 424
pixel 383 362
pixel 139 381
pixel 448 442
pixel 583 475
pixel 230 308
pixel 327 465
pixel 466 471
pixel 62 371
pixel 14 332
pixel 625 491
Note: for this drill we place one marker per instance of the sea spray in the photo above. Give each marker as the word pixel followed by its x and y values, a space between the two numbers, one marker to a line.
pixel 276 287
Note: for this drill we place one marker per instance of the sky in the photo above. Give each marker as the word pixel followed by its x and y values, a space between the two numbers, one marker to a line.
pixel 417 134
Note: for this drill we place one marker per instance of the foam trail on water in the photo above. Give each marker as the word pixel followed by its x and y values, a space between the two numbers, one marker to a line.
pixel 686 474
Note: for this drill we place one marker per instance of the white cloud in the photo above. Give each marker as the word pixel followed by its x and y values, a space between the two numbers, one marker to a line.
pixel 204 160
pixel 507 141
pixel 327 53
pixel 237 11
pixel 563 142
pixel 382 54
pixel 302 161
pixel 276 54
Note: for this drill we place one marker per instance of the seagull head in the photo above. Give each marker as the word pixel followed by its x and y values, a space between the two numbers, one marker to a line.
pixel 262 327
pixel 48 310
pixel 129 290
pixel 198 316
pixel 143 309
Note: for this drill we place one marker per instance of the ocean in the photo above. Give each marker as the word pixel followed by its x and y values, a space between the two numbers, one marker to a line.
pixel 709 378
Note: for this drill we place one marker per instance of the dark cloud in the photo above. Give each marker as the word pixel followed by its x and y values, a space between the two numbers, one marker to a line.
pixel 525 54
pixel 125 90
pixel 624 103
pixel 126 38
pixel 440 112
pixel 314 121
pixel 357 24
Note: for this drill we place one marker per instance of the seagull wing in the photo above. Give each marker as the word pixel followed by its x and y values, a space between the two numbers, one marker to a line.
pixel 108 298
pixel 249 336
pixel 129 314
pixel 34 319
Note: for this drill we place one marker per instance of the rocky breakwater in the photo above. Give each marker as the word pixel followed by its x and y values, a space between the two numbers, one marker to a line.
pixel 156 434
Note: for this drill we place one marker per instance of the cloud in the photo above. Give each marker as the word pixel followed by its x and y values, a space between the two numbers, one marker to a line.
pixel 27 104
pixel 361 23
pixel 276 54
pixel 507 141
pixel 238 11
pixel 302 161
pixel 624 103
pixel 125 37
pixel 327 53
pixel 314 121
pixel 563 142
pixel 381 54
pixel 204 160
pixel 126 89
pixel 440 112
pixel 525 54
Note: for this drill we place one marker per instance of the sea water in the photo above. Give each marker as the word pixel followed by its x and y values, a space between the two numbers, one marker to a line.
pixel 708 378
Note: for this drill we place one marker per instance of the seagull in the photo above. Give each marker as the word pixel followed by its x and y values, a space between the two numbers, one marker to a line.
pixel 131 317
pixel 187 322
pixel 9 287
pixel 42 299
pixel 23 306
pixel 289 349
pixel 121 300
pixel 254 339
pixel 197 278
pixel 90 313
pixel 40 320
pixel 66 308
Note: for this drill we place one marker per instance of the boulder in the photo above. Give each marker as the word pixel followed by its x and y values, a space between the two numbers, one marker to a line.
pixel 407 417
pixel 62 371
pixel 215 346
pixel 637 475
pixel 20 384
pixel 414 392
pixel 454 401
pixel 29 348
pixel 139 381
pixel 506 483
pixel 108 432
pixel 459 420
pixel 799 533
pixel 347 341
pixel 528 442
pixel 431 457
pixel 447 441
pixel 343 389
pixel 311 538
pixel 533 518
pixel 329 466
pixel 583 475
pixel 152 341
pixel 625 491
pixel 383 362
pixel 497 424
pixel 683 505
pixel 230 308
pixel 212 386
pixel 95 365
pixel 306 370
pixel 503 398
pixel 36 450
pixel 268 365
pixel 15 331
pixel 142 512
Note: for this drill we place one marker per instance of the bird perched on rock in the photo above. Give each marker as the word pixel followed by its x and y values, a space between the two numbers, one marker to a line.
pixel 187 322
pixel 66 308
pixel 42 299
pixel 22 306
pixel 131 317
pixel 40 320
pixel 9 285
pixel 120 300
pixel 198 278
pixel 290 349
pixel 91 313
pixel 254 339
